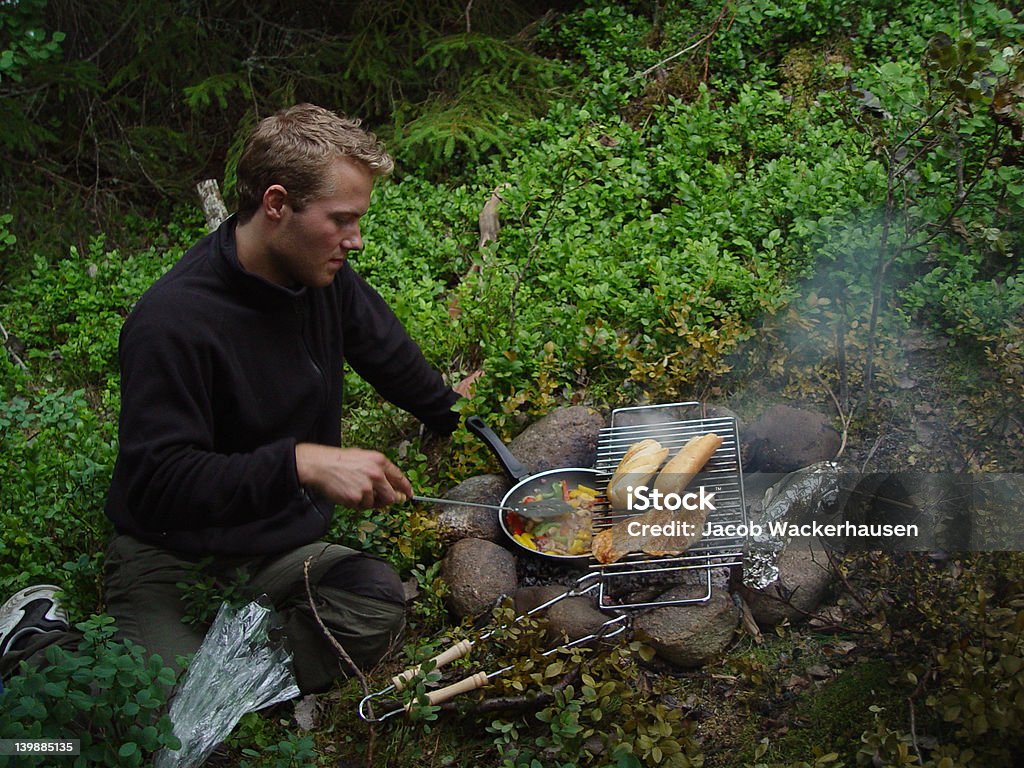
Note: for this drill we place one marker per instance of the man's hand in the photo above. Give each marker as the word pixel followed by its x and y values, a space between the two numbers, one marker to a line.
pixel 351 477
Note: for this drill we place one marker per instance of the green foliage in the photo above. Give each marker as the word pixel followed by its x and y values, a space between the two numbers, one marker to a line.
pixel 485 85
pixel 589 710
pixel 973 289
pixel 58 456
pixel 960 636
pixel 69 314
pixel 934 237
pixel 202 594
pixel 598 38
pixel 107 694
pixel 23 42
pixel 259 741
pixel 7 238
pixel 26 50
pixel 148 102
pixel 756 36
pixel 292 752
pixel 625 257
pixel 216 88
pixel 601 720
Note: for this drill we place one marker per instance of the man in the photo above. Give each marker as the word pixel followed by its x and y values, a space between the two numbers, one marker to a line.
pixel 230 461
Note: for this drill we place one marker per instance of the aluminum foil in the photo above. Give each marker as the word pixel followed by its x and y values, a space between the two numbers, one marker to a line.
pixel 803 495
pixel 236 670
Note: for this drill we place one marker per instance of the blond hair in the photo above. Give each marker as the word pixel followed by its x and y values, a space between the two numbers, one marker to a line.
pixel 292 147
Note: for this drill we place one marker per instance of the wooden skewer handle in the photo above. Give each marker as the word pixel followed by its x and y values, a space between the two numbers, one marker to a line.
pixel 457 651
pixel 471 683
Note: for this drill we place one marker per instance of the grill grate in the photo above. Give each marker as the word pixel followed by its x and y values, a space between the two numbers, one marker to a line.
pixel 673 425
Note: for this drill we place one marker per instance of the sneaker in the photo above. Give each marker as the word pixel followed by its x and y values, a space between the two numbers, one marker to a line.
pixel 31 611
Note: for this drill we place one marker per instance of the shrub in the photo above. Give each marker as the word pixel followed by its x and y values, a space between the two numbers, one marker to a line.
pixel 58 455
pixel 107 694
pixel 957 628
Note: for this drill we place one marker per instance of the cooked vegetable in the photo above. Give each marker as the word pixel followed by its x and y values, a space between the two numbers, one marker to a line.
pixel 565 536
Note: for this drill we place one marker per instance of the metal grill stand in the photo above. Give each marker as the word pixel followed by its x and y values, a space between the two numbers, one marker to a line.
pixel 722 476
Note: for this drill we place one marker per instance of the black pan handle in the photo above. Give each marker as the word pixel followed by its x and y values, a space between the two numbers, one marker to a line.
pixel 512 466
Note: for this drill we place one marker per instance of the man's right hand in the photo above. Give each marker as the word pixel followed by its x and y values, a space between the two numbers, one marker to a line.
pixel 352 477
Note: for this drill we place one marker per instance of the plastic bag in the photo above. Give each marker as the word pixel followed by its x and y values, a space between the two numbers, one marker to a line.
pixel 238 669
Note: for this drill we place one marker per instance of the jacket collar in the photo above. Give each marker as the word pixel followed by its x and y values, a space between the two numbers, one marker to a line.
pixel 250 286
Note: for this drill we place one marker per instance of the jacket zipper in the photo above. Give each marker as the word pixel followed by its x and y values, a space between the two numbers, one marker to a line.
pixel 304 323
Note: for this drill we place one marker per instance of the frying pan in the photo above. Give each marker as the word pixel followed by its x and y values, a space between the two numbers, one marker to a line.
pixel 524 484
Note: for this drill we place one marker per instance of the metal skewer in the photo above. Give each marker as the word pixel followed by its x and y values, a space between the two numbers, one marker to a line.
pixel 545 509
pixel 584 585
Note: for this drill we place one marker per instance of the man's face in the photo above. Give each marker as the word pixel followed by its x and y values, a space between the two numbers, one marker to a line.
pixel 310 246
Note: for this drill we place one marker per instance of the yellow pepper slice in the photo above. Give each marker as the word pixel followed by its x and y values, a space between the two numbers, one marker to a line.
pixel 526 539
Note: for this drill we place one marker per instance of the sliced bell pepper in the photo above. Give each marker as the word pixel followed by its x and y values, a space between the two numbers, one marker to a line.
pixel 526 540
pixel 515 523
pixel 545 528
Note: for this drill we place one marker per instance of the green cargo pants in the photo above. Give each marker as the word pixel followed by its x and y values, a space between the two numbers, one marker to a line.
pixel 358 597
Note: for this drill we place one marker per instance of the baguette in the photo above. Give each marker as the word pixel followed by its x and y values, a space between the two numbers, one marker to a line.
pixel 685 465
pixel 615 542
pixel 637 467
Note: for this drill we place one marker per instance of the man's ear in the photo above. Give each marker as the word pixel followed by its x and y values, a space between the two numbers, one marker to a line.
pixel 275 198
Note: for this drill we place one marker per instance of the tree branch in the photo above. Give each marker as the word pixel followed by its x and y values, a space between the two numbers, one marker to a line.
pixel 714 30
pixel 340 650
pixel 17 360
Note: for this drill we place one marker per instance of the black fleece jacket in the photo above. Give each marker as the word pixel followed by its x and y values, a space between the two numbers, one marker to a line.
pixel 222 373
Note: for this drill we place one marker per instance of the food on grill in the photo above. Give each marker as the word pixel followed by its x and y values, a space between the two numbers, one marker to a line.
pixel 568 535
pixel 685 465
pixel 612 544
pixel 616 542
pixel 637 467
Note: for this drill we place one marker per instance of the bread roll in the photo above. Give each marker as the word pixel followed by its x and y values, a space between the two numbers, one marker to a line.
pixel 685 465
pixel 637 467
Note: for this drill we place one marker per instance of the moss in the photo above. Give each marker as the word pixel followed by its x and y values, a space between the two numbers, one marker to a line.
pixel 833 716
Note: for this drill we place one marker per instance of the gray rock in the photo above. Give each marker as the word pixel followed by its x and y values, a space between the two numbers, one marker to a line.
pixel 646 413
pixel 689 635
pixel 805 575
pixel 785 438
pixel 568 619
pixel 566 437
pixel 477 573
pixel 456 522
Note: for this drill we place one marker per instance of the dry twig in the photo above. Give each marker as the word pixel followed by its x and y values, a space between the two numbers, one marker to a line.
pixel 844 418
pixel 340 650
pixel 693 46
pixel 17 360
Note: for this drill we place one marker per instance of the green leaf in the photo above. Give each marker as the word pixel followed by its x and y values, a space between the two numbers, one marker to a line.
pixel 891 69
pixel 128 749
